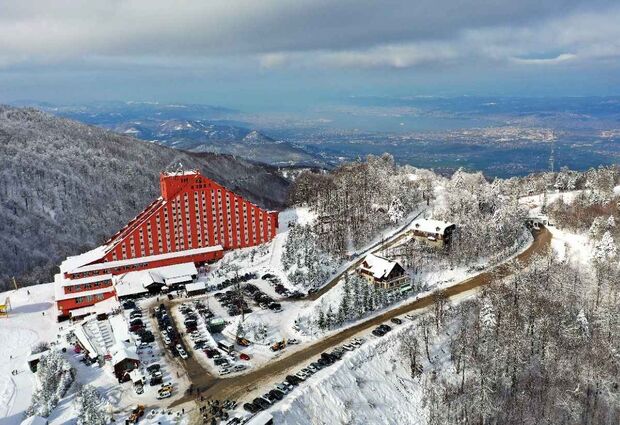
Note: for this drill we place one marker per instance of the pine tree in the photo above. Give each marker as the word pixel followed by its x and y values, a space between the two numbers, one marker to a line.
pixel 89 407
pixel 321 323
pixel 344 310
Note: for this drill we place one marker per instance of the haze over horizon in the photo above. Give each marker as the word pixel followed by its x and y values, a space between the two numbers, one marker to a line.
pixel 277 55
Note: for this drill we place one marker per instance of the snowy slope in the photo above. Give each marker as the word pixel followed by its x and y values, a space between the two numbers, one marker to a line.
pixel 29 322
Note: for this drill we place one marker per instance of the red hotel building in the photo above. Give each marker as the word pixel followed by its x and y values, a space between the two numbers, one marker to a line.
pixel 194 219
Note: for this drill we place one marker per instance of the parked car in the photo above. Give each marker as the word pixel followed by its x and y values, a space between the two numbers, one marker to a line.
pixel 153 368
pixel 239 367
pixel 292 341
pixel 279 395
pixel 396 320
pixel 270 397
pixel 139 389
pixel 156 380
pixel 244 356
pixel 378 332
pixel 293 380
pixel 181 351
pixel 163 394
pixel 261 402
pixel 385 327
pixel 284 389
pixel 250 407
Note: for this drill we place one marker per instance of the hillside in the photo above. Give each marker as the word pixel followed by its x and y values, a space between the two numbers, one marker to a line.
pixel 189 127
pixel 66 186
pixel 204 136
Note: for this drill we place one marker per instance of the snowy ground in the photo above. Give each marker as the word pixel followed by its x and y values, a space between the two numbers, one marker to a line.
pixel 30 321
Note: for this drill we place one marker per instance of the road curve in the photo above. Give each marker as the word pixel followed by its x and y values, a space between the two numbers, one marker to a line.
pixel 238 386
pixel 380 245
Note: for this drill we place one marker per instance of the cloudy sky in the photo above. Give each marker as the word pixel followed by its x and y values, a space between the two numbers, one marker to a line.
pixel 294 53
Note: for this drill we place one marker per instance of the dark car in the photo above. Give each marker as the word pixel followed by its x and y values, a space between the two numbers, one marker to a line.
pixel 147 336
pixel 153 368
pixel 128 305
pixel 293 380
pixel 378 332
pixel 328 356
pixel 396 320
pixel 385 328
pixel 261 402
pixel 251 407
pixel 155 380
pixel 279 395
pixel 336 354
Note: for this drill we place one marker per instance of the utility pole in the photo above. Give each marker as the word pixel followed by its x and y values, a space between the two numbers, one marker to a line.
pixel 15 283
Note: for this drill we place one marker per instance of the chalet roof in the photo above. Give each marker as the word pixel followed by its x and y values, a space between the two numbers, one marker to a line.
pixel 77 261
pixel 198 286
pixel 120 329
pixel 428 225
pixel 102 307
pixel 378 266
pixel 133 283
pixel 123 353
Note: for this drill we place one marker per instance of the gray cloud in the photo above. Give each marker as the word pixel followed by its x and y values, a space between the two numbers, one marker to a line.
pixel 343 33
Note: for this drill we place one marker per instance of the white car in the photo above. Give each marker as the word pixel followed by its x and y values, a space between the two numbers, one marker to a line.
pixel 167 340
pixel 224 371
pixel 181 351
pixel 348 347
pixel 301 375
pixel 163 394
pixel 292 341
pixel 239 367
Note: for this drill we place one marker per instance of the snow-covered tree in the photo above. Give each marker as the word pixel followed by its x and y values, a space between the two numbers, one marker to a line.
pixel 90 407
pixel 605 249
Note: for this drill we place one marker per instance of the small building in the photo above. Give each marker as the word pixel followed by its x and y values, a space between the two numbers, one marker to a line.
pixel 382 273
pixel 34 359
pixel 197 288
pixel 123 362
pixel 434 233
pixel 537 221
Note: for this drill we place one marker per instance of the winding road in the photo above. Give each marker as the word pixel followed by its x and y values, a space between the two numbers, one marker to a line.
pixel 238 386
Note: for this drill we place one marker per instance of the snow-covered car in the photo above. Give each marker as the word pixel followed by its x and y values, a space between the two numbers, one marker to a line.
pixel 348 347
pixel 301 375
pixel 292 341
pixel 225 371
pixel 239 367
pixel 311 368
pixel 167 340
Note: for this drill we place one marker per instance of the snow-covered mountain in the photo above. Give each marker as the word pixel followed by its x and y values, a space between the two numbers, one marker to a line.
pixel 205 136
pixel 66 186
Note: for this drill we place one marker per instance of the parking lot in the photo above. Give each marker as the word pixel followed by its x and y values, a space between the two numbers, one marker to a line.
pixel 157 377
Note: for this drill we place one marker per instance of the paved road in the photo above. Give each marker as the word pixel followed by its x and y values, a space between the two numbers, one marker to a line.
pixel 391 241
pixel 238 386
